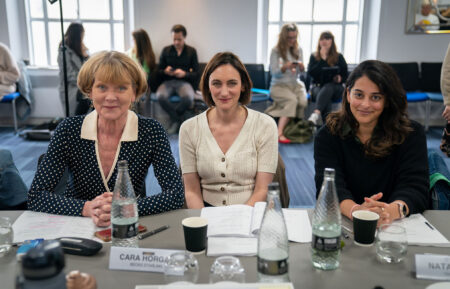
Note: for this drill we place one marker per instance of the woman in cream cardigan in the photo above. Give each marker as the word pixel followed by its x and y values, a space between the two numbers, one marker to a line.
pixel 229 153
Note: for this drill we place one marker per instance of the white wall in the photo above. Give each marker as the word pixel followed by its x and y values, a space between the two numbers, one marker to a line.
pixel 394 45
pixel 212 25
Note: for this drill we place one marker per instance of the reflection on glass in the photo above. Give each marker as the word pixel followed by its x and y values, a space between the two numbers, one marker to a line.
pixel 353 10
pixel 98 9
pixel 39 45
pixel 36 9
pixel 274 10
pixel 305 42
pixel 54 33
pixel 328 10
pixel 335 29
pixel 118 9
pixel 351 38
pixel 297 10
pixel 97 36
pixel 428 17
pixel 69 9
pixel 118 37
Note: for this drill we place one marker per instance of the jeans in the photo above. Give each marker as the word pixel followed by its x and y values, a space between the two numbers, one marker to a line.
pixel 13 192
pixel 440 190
pixel 184 90
pixel 325 95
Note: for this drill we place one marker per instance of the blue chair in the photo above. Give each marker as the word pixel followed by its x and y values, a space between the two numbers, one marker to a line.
pixel 421 97
pixel 11 98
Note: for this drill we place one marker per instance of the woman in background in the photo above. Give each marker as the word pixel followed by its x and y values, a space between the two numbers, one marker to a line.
pixel 286 89
pixel 142 52
pixel 76 55
pixel 379 154
pixel 326 89
pixel 229 153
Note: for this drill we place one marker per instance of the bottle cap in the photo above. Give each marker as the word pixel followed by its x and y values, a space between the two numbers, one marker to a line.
pixel 274 186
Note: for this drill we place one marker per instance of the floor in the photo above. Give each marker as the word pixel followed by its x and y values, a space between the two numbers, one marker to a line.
pixel 298 159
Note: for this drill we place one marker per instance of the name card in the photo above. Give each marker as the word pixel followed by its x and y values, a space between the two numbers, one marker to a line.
pixel 138 259
pixel 432 266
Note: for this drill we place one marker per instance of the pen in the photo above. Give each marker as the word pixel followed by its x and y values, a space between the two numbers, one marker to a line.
pixel 151 233
pixel 428 224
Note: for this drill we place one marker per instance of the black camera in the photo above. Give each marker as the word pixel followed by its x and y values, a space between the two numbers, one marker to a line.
pixel 42 267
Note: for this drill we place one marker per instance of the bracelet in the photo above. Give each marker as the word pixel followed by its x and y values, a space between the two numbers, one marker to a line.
pixel 351 210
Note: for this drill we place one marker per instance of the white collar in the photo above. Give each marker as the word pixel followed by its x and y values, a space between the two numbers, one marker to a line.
pixel 89 127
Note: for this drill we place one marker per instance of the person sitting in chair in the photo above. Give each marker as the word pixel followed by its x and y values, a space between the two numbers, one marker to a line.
pixel 178 66
pixel 9 72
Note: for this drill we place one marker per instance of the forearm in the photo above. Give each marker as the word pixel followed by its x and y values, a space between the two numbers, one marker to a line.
pixel 47 202
pixel 257 196
pixel 194 200
pixel 163 202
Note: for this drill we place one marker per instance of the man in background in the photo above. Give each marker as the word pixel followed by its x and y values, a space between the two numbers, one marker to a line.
pixel 178 67
pixel 425 18
pixel 9 72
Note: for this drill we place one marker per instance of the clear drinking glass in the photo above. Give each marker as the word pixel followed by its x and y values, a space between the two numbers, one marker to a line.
pixel 227 268
pixel 391 243
pixel 6 236
pixel 182 268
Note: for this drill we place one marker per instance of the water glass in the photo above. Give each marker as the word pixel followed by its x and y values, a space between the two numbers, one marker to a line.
pixel 6 236
pixel 182 268
pixel 227 268
pixel 391 243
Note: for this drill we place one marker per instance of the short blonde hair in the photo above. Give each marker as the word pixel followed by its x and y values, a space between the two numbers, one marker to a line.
pixel 113 67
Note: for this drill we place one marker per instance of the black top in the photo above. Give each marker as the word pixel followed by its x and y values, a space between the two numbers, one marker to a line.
pixel 187 61
pixel 402 175
pixel 315 68
pixel 68 149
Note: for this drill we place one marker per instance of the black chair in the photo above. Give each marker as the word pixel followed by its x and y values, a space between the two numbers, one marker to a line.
pixel 260 92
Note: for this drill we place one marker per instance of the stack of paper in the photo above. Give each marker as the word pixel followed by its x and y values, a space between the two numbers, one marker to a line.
pixel 33 225
pixel 232 230
pixel 420 232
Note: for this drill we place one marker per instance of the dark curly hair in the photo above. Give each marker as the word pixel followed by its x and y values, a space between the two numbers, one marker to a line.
pixel 393 124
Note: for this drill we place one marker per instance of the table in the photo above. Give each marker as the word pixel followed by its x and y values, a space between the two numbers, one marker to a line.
pixel 359 267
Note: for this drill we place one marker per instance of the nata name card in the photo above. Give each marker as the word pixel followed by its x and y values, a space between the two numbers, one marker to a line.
pixel 433 266
pixel 138 259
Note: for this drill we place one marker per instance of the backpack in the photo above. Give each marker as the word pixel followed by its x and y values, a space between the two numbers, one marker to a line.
pixel 299 130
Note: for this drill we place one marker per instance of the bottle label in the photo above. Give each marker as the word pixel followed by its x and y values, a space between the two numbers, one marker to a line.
pixel 271 267
pixel 124 231
pixel 326 244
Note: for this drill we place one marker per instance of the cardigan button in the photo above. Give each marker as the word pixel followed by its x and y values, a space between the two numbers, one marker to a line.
pixel 223 175
pixel 222 189
pixel 224 202
pixel 223 159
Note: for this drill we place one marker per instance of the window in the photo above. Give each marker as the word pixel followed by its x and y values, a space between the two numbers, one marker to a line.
pixel 341 17
pixel 102 20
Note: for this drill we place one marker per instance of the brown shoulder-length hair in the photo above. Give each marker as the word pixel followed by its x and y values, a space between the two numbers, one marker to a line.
pixel 112 67
pixel 393 124
pixel 144 49
pixel 74 38
pixel 333 55
pixel 282 45
pixel 223 58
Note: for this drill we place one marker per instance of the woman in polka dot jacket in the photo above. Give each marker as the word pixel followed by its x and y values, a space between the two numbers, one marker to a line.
pixel 91 145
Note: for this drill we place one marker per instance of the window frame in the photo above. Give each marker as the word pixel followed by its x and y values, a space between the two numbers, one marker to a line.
pixel 266 23
pixel 46 21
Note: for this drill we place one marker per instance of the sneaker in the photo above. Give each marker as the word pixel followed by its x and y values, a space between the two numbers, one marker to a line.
pixel 314 118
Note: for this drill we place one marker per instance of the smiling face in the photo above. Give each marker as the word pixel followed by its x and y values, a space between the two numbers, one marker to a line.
pixel 112 100
pixel 366 101
pixel 225 87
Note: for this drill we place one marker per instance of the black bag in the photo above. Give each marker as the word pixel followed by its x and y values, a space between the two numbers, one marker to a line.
pixel 299 130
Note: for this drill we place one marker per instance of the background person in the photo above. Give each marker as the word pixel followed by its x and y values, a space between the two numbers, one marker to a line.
pixel 76 55
pixel 286 89
pixel 380 156
pixel 445 89
pixel 91 145
pixel 425 19
pixel 326 90
pixel 178 66
pixel 9 72
pixel 229 153
pixel 142 52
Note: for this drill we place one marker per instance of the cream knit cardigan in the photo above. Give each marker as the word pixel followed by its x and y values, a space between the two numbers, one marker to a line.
pixel 229 178
pixel 445 77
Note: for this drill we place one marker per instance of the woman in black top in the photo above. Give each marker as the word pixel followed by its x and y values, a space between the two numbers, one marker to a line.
pixel 329 71
pixel 380 156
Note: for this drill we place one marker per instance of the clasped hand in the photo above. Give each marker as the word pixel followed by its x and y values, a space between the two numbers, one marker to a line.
pixel 99 209
pixel 381 208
